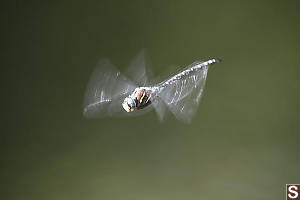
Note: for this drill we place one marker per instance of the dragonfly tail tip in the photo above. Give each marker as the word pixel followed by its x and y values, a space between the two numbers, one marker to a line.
pixel 218 59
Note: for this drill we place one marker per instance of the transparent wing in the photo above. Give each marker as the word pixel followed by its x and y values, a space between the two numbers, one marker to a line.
pixel 160 108
pixel 106 91
pixel 183 95
pixel 139 69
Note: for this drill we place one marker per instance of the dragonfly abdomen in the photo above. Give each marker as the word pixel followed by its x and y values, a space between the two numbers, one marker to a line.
pixel 193 68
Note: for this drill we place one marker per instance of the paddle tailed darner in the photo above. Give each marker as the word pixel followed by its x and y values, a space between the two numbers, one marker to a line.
pixel 110 93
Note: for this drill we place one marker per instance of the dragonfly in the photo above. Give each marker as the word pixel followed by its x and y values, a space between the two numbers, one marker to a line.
pixel 111 93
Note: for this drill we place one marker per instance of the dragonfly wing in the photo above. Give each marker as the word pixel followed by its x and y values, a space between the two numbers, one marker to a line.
pixel 139 69
pixel 183 95
pixel 160 108
pixel 106 91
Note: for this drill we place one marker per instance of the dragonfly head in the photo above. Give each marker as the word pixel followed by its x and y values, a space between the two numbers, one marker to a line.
pixel 129 104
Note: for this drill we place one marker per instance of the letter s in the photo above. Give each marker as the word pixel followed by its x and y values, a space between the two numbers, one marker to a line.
pixel 293 192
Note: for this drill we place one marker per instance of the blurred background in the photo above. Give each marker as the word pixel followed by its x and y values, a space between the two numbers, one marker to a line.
pixel 243 142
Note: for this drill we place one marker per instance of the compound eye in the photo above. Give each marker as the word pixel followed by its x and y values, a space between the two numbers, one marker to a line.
pixel 131 103
pixel 126 105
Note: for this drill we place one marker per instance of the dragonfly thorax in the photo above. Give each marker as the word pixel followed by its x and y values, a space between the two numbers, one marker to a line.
pixel 140 98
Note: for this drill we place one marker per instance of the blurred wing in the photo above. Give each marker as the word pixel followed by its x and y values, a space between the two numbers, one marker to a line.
pixel 139 69
pixel 183 95
pixel 160 108
pixel 106 91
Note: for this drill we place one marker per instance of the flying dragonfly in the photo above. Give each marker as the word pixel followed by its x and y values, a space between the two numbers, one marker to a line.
pixel 110 93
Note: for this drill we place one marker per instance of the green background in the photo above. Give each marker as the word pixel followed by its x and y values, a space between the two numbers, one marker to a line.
pixel 243 142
